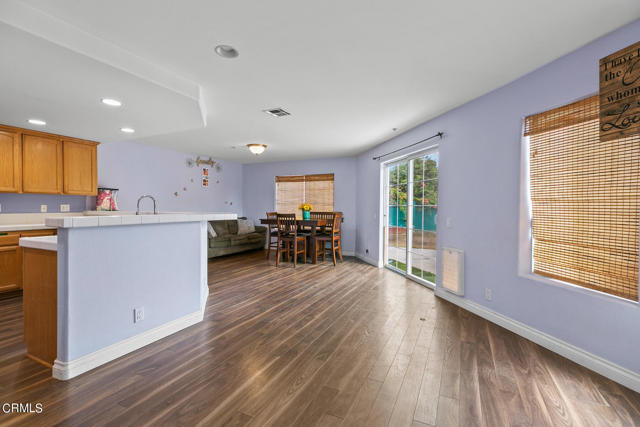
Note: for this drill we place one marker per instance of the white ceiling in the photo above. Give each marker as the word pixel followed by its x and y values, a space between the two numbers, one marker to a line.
pixel 347 71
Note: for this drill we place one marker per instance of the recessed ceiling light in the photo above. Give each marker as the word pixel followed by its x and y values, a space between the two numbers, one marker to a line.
pixel 127 130
pixel 226 51
pixel 111 102
pixel 257 148
pixel 37 122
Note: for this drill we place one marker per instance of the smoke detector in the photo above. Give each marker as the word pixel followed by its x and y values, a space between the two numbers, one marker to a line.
pixel 277 112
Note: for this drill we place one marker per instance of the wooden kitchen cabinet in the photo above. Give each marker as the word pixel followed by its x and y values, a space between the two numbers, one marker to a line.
pixel 80 159
pixel 10 262
pixel 41 164
pixel 10 161
pixel 11 259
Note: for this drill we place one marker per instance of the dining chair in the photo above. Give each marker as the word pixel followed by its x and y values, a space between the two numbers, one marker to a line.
pixel 334 238
pixel 289 238
pixel 272 233
pixel 323 215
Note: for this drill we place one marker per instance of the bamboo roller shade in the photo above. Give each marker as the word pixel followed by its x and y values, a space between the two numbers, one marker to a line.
pixel 585 200
pixel 292 191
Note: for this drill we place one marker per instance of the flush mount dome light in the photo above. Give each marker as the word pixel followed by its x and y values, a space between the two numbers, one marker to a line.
pixel 257 148
pixel 37 122
pixel 127 130
pixel 226 51
pixel 111 102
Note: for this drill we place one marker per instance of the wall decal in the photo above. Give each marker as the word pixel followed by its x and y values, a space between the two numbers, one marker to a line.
pixel 620 93
pixel 205 177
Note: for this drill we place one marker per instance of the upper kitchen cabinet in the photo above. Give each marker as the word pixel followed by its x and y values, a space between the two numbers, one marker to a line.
pixel 10 161
pixel 80 160
pixel 38 162
pixel 41 164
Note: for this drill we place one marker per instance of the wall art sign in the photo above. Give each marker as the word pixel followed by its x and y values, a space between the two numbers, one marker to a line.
pixel 205 177
pixel 620 94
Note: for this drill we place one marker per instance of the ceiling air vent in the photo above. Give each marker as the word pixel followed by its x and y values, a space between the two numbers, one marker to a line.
pixel 277 112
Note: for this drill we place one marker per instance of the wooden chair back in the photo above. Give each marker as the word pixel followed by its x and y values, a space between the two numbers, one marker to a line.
pixel 337 223
pixel 287 224
pixel 272 215
pixel 323 215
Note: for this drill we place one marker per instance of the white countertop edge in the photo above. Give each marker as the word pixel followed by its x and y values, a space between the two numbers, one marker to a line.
pixel 111 220
pixel 23 227
pixel 47 243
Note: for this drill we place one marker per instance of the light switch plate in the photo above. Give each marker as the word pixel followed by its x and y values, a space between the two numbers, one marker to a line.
pixel 43 208
pixel 0 207
pixel 64 208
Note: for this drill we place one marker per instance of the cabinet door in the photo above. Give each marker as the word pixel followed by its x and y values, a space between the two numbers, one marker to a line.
pixel 80 167
pixel 10 161
pixel 41 164
pixel 10 268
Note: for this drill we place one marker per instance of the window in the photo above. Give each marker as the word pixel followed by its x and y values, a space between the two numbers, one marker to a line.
pixel 584 197
pixel 292 191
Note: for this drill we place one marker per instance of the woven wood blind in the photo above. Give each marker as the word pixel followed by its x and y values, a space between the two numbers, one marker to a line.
pixel 585 200
pixel 289 193
pixel 318 191
pixel 292 191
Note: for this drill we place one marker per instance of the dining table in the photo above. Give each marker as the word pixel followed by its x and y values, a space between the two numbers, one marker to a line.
pixel 312 224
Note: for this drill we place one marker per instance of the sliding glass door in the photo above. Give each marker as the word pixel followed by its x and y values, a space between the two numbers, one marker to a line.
pixel 411 212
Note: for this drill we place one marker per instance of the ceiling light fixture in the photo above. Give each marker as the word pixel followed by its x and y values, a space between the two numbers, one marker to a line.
pixel 111 102
pixel 127 130
pixel 37 122
pixel 226 51
pixel 257 148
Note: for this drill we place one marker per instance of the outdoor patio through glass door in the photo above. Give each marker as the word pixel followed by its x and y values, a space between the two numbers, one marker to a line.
pixel 411 213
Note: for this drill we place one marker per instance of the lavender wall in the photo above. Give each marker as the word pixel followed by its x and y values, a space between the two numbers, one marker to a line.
pixel 259 188
pixel 138 169
pixel 479 191
pixel 20 203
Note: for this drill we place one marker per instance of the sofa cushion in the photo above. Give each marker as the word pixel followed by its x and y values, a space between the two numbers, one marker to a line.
pixel 220 242
pixel 242 239
pixel 232 226
pixel 245 226
pixel 221 227
pixel 212 232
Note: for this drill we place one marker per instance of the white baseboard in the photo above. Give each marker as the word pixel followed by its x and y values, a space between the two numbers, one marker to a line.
pixel 604 367
pixel 73 368
pixel 368 260
pixel 348 253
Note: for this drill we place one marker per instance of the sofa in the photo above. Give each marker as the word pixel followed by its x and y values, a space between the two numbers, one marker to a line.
pixel 227 240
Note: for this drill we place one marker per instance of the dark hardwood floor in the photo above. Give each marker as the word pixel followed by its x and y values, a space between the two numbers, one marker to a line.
pixel 319 345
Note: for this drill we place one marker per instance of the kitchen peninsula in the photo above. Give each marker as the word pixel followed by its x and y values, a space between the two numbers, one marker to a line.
pixel 124 281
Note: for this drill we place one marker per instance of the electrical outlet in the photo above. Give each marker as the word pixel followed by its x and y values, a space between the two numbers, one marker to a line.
pixel 449 222
pixel 43 208
pixel 487 294
pixel 64 208
pixel 138 314
pixel 366 251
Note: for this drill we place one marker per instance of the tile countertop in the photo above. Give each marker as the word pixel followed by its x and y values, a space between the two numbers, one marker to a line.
pixel 48 243
pixel 128 219
pixel 29 221
pixel 23 227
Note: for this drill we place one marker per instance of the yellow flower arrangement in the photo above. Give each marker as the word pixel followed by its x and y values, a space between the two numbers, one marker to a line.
pixel 305 207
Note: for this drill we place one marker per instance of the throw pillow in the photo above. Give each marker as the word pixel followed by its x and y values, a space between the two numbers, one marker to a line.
pixel 212 232
pixel 245 226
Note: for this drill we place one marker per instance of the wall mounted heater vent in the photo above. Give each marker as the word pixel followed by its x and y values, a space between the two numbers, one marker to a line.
pixel 453 270
pixel 277 112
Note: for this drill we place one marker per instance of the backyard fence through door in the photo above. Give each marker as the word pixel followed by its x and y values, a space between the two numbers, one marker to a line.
pixel 411 215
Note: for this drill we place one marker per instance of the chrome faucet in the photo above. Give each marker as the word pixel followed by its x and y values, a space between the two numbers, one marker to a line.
pixel 155 209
